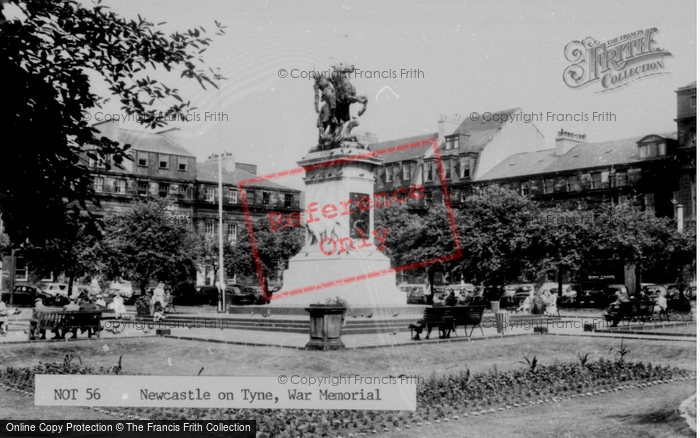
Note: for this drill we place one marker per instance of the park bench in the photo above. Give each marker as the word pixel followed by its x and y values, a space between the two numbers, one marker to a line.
pixel 447 318
pixel 62 322
pixel 633 310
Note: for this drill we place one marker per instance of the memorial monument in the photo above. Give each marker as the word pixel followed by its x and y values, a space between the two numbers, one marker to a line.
pixel 342 247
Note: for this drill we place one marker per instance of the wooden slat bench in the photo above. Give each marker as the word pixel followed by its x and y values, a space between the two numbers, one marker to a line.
pixel 447 318
pixel 639 310
pixel 65 321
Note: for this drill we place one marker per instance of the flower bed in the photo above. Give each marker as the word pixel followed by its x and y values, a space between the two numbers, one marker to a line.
pixel 440 399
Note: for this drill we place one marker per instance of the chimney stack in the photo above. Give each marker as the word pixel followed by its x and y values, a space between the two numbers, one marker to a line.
pixel 108 128
pixel 447 125
pixel 228 161
pixel 565 141
pixel 172 134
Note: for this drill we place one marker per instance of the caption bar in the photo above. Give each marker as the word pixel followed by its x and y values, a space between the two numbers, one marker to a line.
pixel 128 429
pixel 346 392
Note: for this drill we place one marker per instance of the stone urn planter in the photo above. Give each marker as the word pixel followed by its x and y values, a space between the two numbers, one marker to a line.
pixel 325 327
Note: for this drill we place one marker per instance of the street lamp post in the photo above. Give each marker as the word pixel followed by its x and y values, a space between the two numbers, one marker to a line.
pixel 222 286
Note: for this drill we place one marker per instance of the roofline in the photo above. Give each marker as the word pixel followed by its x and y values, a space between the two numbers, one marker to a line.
pixel 166 139
pixel 578 169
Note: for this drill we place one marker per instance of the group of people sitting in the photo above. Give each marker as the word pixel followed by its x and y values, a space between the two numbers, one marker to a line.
pixel 544 302
pixel 154 305
pixel 613 314
pixel 83 302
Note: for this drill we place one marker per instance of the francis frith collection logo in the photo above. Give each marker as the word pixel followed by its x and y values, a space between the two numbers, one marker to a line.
pixel 614 63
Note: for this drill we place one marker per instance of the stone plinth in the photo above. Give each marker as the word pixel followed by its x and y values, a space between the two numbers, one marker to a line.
pixel 340 247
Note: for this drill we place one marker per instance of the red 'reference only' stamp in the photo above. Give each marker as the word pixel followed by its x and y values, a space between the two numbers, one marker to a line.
pixel 329 243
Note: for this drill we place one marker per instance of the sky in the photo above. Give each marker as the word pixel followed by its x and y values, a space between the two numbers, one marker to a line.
pixel 474 56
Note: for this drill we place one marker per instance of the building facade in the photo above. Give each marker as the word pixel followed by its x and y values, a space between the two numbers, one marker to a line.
pixel 162 168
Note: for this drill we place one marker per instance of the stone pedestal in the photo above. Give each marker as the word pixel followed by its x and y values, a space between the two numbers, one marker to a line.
pixel 325 327
pixel 340 248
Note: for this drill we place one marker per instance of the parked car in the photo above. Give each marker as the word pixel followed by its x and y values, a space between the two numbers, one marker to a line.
pixel 415 293
pixel 197 296
pixel 24 295
pixel 521 292
pixel 124 288
pixel 600 296
pixel 240 295
pixel 568 291
pixel 652 291
pixel 54 289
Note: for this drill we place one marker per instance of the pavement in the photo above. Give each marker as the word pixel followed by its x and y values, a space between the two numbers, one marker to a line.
pixel 568 325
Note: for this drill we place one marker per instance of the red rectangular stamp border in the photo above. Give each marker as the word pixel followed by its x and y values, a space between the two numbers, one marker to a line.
pixel 437 260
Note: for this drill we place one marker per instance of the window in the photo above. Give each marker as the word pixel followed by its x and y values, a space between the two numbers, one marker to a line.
pixel 406 171
pixel 653 149
pixel 99 184
pixel 604 180
pixel 572 184
pixel 451 143
pixel 182 163
pixel 634 176
pixel 232 196
pixel 99 161
pixel 163 190
pixel 209 229
pixel 389 173
pixel 447 166
pixel 662 149
pixel 184 191
pixel 211 196
pixel 649 202
pixel 621 178
pixel 549 185
pixel 428 171
pixel 143 188
pixel 142 158
pixel 120 186
pixel 163 161
pixel 525 188
pixel 643 151
pixel 232 232
pixel 288 200
pixel 463 195
pixel 585 181
pixel 464 167
pixel 266 198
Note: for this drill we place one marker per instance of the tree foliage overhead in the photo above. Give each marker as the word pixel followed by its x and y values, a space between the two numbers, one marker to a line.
pixel 47 51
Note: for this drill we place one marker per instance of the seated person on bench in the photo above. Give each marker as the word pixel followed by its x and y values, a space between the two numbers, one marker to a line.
pixel 612 313
pixel 34 321
pixel 527 304
pixel 5 312
pixel 661 303
pixel 450 300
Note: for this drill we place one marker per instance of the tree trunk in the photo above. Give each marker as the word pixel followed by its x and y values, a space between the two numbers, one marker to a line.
pixel 560 279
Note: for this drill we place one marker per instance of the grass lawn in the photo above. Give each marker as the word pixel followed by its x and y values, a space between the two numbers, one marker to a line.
pixel 649 412
pixel 159 356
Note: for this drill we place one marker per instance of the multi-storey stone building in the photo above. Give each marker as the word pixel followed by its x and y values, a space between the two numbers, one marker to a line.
pixel 162 168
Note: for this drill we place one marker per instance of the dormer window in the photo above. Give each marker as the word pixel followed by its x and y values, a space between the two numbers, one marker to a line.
pixel 451 143
pixel 652 146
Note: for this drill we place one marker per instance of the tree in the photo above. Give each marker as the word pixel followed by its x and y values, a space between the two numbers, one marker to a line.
pixel 147 243
pixel 418 240
pixel 46 54
pixel 208 253
pixel 493 231
pixel 273 248
pixel 558 240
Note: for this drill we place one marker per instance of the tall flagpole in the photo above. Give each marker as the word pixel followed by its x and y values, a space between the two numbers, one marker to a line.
pixel 222 285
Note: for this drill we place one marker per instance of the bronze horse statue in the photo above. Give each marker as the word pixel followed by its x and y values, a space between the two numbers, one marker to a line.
pixel 334 119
